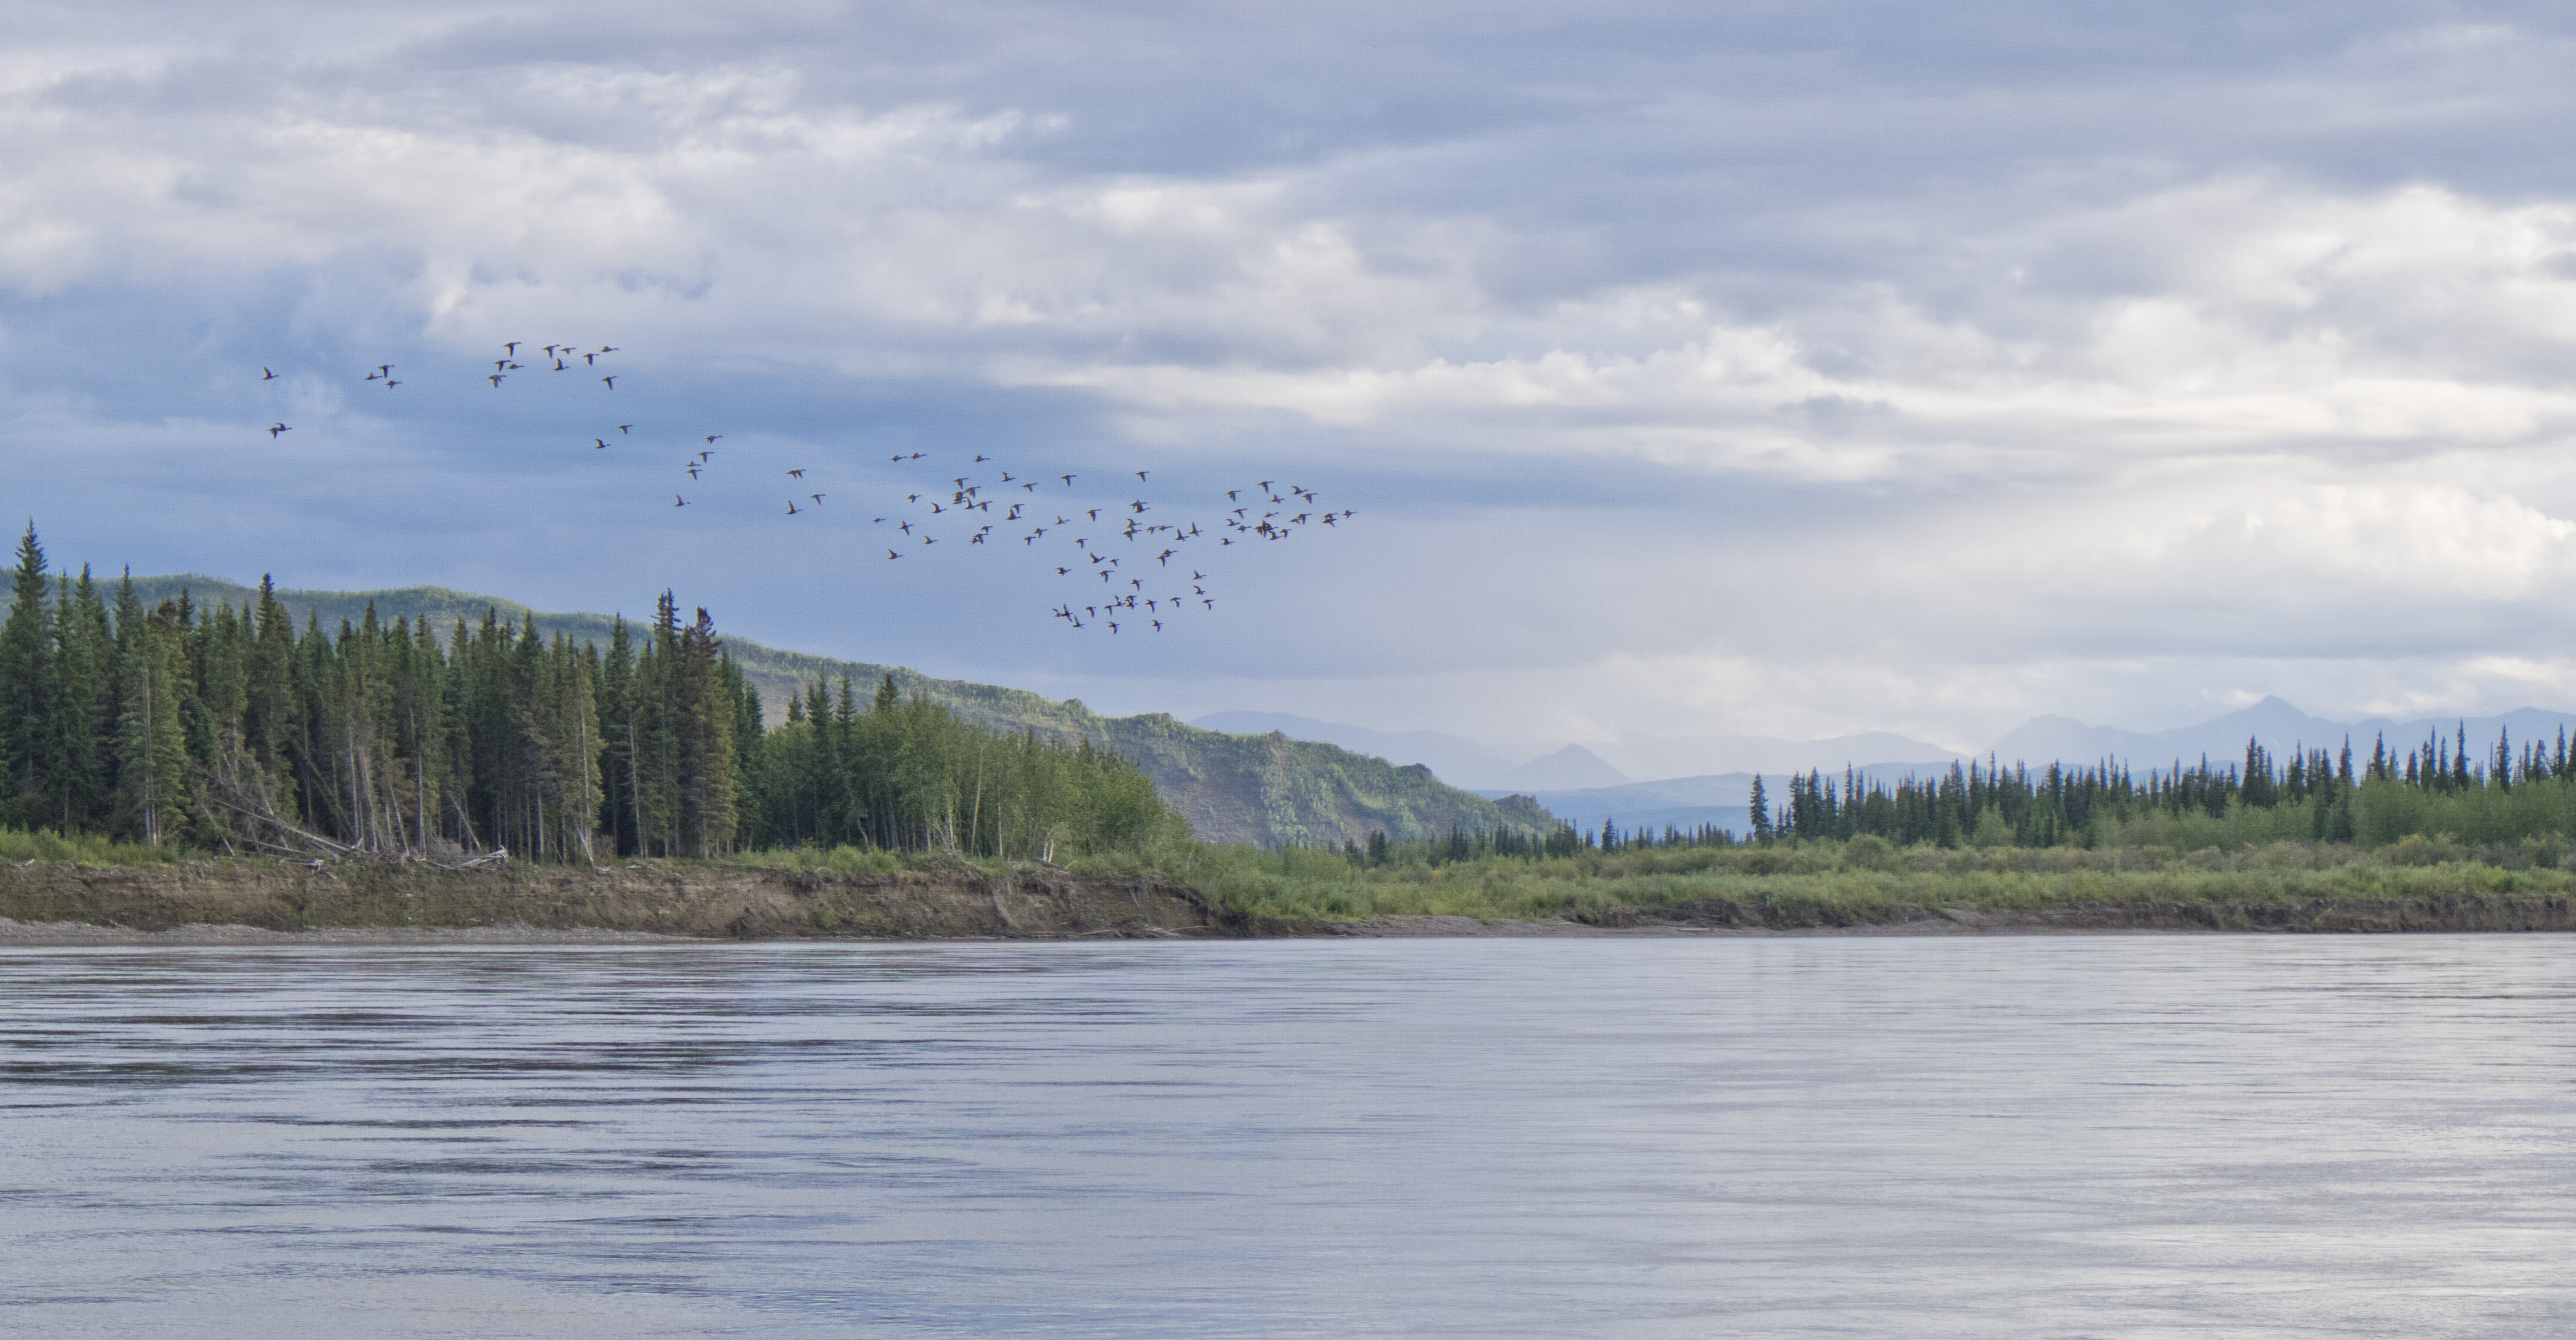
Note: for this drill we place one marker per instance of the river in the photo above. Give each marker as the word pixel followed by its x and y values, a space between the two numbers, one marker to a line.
pixel 2135 1136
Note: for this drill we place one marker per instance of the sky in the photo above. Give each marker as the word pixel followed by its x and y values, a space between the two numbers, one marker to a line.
pixel 1759 368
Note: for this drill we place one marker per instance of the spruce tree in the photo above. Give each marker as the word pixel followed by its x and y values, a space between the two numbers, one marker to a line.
pixel 26 687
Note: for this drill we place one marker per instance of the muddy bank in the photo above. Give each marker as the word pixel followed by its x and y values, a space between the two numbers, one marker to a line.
pixel 661 899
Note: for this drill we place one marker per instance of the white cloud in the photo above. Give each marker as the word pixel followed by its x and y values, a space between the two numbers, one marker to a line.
pixel 1911 382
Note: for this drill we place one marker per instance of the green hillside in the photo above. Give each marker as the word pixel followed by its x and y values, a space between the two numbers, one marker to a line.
pixel 1267 790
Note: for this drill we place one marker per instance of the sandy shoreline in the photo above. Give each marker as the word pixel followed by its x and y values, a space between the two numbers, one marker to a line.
pixel 53 934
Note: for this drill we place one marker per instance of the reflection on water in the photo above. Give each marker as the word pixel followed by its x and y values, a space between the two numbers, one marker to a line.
pixel 2130 1136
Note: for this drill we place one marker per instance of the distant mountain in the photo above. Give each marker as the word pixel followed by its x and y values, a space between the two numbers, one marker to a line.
pixel 2278 725
pixel 1571 768
pixel 1471 763
pixel 1457 761
pixel 1701 755
pixel 1724 799
pixel 1263 789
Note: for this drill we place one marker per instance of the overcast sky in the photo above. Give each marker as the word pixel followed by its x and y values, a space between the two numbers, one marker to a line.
pixel 1793 368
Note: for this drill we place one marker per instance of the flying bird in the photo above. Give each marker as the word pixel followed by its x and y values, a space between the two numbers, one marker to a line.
pixel 818 498
pixel 791 507
pixel 1140 474
pixel 611 381
pixel 512 348
pixel 713 436
pixel 1066 478
pixel 892 554
pixel 601 442
pixel 624 426
pixel 275 428
pixel 682 502
pixel 496 380
pixel 266 375
pixel 795 474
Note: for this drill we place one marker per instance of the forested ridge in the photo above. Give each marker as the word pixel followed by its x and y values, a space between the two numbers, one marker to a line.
pixel 1262 790
pixel 226 726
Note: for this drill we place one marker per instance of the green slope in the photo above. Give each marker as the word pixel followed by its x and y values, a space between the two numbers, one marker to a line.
pixel 1263 789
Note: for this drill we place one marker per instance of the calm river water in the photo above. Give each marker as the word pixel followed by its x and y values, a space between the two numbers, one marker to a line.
pixel 2026 1136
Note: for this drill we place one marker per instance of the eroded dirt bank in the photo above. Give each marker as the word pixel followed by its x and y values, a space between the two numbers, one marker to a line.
pixel 658 899
pixel 67 904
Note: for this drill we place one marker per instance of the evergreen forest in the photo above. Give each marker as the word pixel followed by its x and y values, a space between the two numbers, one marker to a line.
pixel 226 728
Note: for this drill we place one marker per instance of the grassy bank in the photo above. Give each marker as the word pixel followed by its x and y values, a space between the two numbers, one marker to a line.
pixel 1863 881
pixel 1860 881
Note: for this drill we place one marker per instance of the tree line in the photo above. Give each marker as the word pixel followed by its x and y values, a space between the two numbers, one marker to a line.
pixel 2500 793
pixel 228 728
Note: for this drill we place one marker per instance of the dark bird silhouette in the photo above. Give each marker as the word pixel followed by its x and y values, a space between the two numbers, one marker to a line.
pixel 512 348
pixel 705 454
pixel 550 349
pixel 791 507
pixel 693 472
pixel 981 459
pixel 818 498
pixel 1158 625
pixel 372 376
pixel 266 375
pixel 906 528
pixel 1140 474
pixel 913 457
pixel 1066 478
pixel 930 539
pixel 600 442
pixel 795 474
pixel 1006 476
pixel 610 381
pixel 559 365
pixel 390 383
pixel 713 436
pixel 624 426
pixel 1095 514
pixel 1164 559
pixel 892 554
pixel 496 380
pixel 275 428
pixel 1062 571
pixel 608 348
pixel 681 502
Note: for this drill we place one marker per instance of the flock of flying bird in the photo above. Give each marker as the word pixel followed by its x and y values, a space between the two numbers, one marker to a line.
pixel 1048 504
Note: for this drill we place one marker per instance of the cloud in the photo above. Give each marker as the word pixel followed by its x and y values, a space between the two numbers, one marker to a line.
pixel 1732 368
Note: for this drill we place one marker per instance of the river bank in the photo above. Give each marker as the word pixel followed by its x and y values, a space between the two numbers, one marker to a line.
pixel 264 902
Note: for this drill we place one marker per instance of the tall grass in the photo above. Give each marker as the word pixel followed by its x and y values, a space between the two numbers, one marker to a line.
pixel 1864 879
pixel 19 846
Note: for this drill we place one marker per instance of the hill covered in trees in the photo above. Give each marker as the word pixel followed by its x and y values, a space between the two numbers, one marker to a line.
pixel 1260 789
